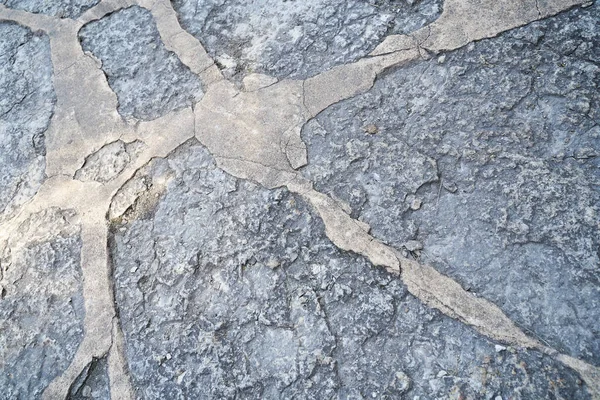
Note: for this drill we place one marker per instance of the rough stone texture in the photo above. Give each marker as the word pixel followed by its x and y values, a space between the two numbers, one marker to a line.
pixel 297 39
pixel 41 304
pixel 26 105
pixel 488 159
pixel 109 161
pixel 92 383
pixel 56 8
pixel 149 80
pixel 228 290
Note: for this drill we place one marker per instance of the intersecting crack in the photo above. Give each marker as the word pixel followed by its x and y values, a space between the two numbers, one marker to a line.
pixel 245 132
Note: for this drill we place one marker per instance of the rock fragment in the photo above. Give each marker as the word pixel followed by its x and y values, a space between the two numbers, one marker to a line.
pixel 41 310
pixel 27 102
pixel 149 80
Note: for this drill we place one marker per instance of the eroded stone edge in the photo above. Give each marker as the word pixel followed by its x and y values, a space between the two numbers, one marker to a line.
pixel 454 29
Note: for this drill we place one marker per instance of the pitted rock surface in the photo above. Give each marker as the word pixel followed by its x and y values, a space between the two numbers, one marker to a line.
pixel 149 80
pixel 487 158
pixel 26 105
pixel 41 304
pixel 56 8
pixel 297 39
pixel 228 290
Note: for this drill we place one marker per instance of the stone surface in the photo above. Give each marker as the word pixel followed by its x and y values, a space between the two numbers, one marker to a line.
pixel 109 161
pixel 93 382
pixel 297 39
pixel 149 80
pixel 26 105
pixel 41 304
pixel 56 8
pixel 228 290
pixel 488 156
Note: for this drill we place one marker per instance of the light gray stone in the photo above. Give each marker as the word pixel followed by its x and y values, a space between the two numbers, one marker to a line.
pixel 228 290
pixel 109 161
pixel 297 39
pixel 27 102
pixel 41 303
pixel 56 8
pixel 149 81
pixel 501 143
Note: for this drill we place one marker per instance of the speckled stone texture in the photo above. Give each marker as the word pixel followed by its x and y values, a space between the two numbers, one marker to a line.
pixel 297 39
pixel 149 80
pixel 56 8
pixel 228 290
pixel 41 304
pixel 109 161
pixel 26 105
pixel 488 158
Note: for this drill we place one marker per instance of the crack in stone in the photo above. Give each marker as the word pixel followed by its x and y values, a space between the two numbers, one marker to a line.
pixel 337 84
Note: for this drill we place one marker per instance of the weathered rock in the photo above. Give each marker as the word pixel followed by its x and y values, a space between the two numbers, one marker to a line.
pixel 41 304
pixel 149 81
pixel 500 142
pixel 109 161
pixel 26 105
pixel 56 8
pixel 297 39
pixel 92 383
pixel 229 290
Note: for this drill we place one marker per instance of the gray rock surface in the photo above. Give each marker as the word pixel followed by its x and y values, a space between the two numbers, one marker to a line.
pixel 227 290
pixel 149 80
pixel 26 105
pixel 109 161
pixel 92 383
pixel 56 8
pixel 297 39
pixel 489 158
pixel 41 304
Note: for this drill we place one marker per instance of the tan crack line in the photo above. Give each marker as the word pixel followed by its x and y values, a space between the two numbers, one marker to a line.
pixel 253 135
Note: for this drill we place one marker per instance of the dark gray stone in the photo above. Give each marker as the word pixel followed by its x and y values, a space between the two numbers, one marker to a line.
pixel 489 157
pixel 27 102
pixel 56 8
pixel 41 304
pixel 228 290
pixel 92 383
pixel 297 39
pixel 149 80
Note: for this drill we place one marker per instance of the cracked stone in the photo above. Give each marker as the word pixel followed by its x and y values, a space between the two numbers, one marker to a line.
pixel 149 80
pixel 56 8
pixel 27 102
pixel 92 383
pixel 501 144
pixel 41 312
pixel 227 290
pixel 109 161
pixel 292 39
